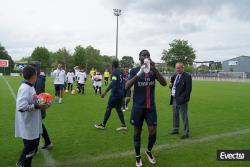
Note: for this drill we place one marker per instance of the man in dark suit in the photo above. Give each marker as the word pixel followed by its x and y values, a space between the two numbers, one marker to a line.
pixel 181 87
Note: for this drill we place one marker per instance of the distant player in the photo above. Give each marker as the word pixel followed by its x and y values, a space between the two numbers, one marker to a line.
pixel 70 80
pixel 127 97
pixel 98 80
pixel 117 87
pixel 94 79
pixel 59 79
pixel 92 72
pixel 106 77
pixel 81 78
pixel 77 70
pixel 144 108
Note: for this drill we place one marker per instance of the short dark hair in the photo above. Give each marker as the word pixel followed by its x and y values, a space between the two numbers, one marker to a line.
pixel 115 64
pixel 28 72
pixel 144 52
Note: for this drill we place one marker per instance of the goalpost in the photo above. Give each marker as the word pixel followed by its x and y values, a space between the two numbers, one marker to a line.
pixel 231 76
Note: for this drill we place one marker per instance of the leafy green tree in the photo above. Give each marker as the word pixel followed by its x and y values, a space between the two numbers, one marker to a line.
pixel 63 56
pixel 79 56
pixel 42 55
pixel 127 61
pixel 179 51
pixel 4 55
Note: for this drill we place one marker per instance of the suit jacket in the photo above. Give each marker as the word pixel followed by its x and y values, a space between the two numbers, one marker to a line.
pixel 183 89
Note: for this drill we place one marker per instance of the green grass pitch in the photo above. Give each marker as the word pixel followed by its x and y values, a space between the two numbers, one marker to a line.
pixel 217 112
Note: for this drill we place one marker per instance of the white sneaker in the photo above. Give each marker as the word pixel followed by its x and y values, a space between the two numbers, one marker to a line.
pixel 123 110
pixel 60 100
pixel 122 128
pixel 127 108
pixel 138 163
pixel 56 99
pixel 151 158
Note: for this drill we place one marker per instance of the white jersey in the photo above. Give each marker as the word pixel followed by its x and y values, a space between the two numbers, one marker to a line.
pixel 76 72
pixel 99 80
pixel 70 77
pixel 28 122
pixel 81 77
pixel 59 76
pixel 94 80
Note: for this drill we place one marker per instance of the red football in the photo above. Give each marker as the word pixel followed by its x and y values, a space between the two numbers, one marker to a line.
pixel 44 98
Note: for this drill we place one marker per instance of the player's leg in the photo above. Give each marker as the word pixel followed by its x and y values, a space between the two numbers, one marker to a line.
pixel 100 90
pixel 176 118
pixel 137 118
pixel 151 119
pixel 107 114
pixel 56 92
pixel 71 87
pixel 83 88
pixel 96 89
pixel 184 116
pixel 79 87
pixel 137 145
pixel 47 145
pixel 68 86
pixel 118 106
pixel 29 150
pixel 60 93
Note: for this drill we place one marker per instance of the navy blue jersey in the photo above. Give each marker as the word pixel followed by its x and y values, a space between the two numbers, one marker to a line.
pixel 125 77
pixel 117 84
pixel 144 89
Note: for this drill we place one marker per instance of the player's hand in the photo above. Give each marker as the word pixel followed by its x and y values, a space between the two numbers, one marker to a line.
pixel 103 95
pixel 141 71
pixel 43 106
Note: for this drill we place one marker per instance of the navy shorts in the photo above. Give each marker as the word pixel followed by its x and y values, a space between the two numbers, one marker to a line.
pixel 115 102
pixel 138 115
pixel 59 87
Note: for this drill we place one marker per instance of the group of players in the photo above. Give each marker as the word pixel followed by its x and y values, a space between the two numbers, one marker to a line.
pixel 65 82
pixel 144 107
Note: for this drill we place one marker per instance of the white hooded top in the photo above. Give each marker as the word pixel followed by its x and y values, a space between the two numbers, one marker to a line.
pixel 28 123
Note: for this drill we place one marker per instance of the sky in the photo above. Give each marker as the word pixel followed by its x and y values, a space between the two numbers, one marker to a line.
pixel 217 29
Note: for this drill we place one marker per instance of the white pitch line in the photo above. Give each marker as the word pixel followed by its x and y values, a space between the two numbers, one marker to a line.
pixel 49 161
pixel 161 147
pixel 10 88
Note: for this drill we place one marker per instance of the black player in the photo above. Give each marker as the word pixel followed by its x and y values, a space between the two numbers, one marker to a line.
pixel 144 107
pixel 117 87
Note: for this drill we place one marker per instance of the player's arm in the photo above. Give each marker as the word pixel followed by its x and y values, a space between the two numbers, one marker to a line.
pixel 134 77
pixel 23 104
pixel 159 76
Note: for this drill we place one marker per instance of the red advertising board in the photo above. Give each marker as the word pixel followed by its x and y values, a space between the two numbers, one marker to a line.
pixel 4 63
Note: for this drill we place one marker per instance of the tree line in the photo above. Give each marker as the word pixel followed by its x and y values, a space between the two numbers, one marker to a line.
pixel 89 57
